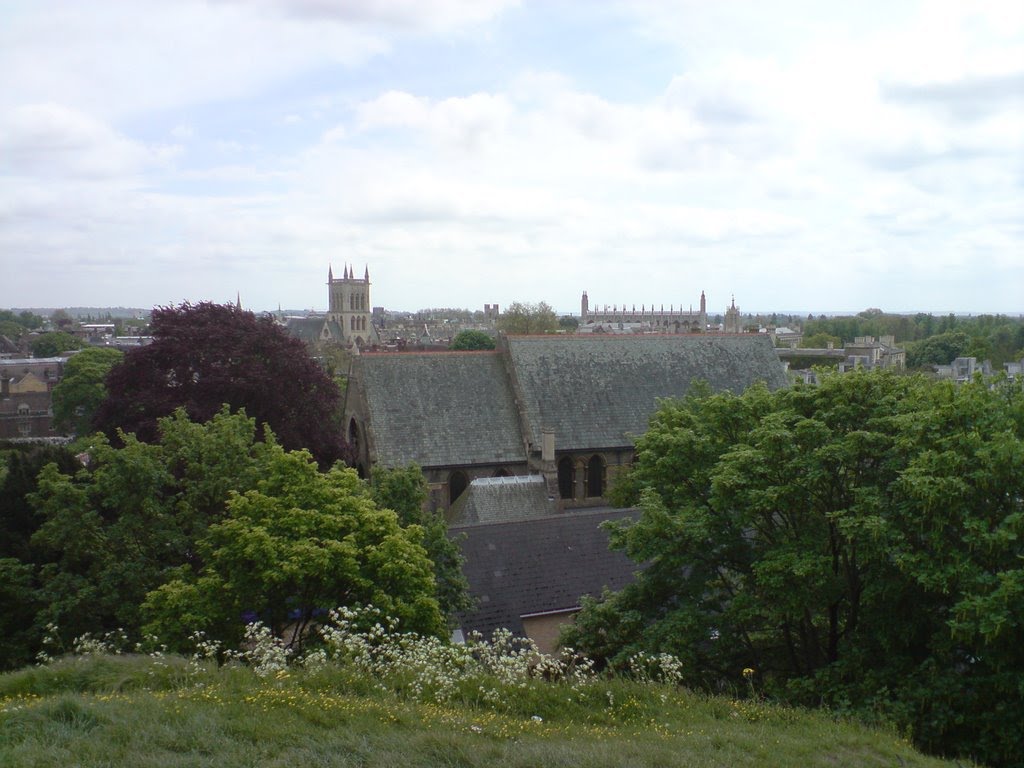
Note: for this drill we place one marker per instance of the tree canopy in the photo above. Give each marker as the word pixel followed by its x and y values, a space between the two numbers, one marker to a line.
pixel 299 543
pixel 81 389
pixel 472 340
pixel 53 344
pixel 404 490
pixel 857 543
pixel 196 530
pixel 206 355
pixel 521 319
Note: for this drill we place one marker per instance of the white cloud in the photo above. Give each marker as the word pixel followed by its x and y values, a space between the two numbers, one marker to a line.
pixel 53 140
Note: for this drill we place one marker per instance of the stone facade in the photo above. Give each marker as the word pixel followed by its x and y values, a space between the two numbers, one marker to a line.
pixel 647 319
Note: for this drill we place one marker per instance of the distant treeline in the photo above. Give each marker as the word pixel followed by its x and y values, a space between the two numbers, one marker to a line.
pixel 928 339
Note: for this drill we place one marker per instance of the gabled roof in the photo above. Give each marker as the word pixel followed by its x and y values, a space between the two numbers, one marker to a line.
pixel 503 500
pixel 440 408
pixel 538 566
pixel 306 329
pixel 600 391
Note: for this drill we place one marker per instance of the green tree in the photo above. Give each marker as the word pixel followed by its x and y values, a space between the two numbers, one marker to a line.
pixel 404 490
pixel 81 390
pixel 299 543
pixel 820 341
pixel 53 344
pixel 522 319
pixel 471 340
pixel 786 531
pixel 110 532
pixel 941 349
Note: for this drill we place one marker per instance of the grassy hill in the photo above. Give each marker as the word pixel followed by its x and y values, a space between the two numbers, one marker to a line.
pixel 161 711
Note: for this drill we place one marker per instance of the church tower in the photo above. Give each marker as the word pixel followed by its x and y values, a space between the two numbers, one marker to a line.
pixel 732 318
pixel 349 305
pixel 584 307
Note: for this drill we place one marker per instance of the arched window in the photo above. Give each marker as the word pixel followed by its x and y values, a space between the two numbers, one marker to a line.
pixel 566 477
pixel 595 477
pixel 457 483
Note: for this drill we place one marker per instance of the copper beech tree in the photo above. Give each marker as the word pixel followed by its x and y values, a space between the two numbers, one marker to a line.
pixel 206 355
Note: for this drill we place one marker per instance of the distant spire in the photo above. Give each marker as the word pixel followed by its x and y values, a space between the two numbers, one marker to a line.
pixel 238 300
pixel 366 274
pixel 330 272
pixel 346 272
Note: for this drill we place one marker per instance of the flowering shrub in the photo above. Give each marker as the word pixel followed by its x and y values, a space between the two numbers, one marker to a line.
pixel 656 668
pixel 368 644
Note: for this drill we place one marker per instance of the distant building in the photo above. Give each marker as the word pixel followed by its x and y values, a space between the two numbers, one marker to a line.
pixel 349 318
pixel 867 352
pixel 646 320
pixel 26 405
pixel 732 319
pixel 963 369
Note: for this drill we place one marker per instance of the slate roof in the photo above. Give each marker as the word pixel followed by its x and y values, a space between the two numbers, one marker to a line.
pixel 440 408
pixel 503 499
pixel 535 566
pixel 306 328
pixel 600 391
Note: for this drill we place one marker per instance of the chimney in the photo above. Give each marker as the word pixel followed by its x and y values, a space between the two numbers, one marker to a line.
pixel 547 445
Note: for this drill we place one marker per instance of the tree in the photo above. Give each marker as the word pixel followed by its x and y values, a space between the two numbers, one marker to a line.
pixel 471 340
pixel 54 344
pixel 786 531
pixel 205 355
pixel 81 390
pixel 942 349
pixel 110 532
pixel 298 544
pixel 820 341
pixel 521 319
pixel 404 490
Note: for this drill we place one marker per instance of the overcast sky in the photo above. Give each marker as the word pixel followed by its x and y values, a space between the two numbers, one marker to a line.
pixel 798 154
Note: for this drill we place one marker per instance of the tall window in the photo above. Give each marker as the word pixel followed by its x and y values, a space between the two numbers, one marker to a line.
pixel 457 483
pixel 595 477
pixel 566 477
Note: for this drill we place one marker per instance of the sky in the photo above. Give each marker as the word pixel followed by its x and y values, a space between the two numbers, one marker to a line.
pixel 795 155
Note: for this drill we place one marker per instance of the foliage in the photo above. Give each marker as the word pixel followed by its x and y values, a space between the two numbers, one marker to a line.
pixel 110 533
pixel 375 702
pixel 522 319
pixel 820 341
pixel 941 349
pixel 404 490
pixel 81 389
pixel 205 355
pixel 54 344
pixel 472 340
pixel 994 337
pixel 291 547
pixel 857 543
pixel 569 323
pixel 28 321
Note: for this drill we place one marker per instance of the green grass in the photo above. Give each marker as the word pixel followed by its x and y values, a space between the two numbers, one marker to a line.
pixel 139 711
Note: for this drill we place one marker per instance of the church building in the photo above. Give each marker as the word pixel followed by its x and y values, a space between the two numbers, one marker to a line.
pixel 565 409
